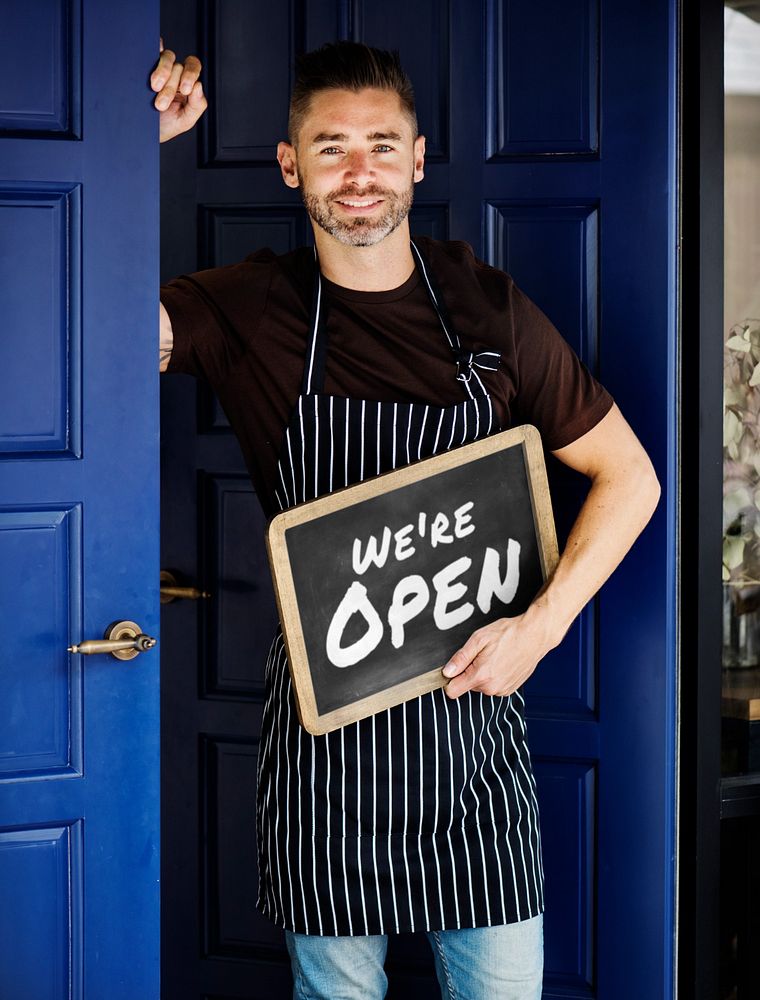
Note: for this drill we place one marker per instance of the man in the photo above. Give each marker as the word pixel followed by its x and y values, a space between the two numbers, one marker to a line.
pixel 343 364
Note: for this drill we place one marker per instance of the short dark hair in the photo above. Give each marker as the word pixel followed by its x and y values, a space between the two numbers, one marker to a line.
pixel 347 66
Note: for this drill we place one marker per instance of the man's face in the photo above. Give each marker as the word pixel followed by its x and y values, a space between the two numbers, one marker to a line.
pixel 356 162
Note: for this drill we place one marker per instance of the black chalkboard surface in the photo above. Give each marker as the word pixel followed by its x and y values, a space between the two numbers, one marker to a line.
pixel 380 583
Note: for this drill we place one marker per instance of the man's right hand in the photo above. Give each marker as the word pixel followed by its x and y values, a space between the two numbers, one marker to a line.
pixel 180 99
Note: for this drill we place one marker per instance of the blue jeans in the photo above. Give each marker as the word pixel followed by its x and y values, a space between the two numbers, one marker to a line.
pixel 480 963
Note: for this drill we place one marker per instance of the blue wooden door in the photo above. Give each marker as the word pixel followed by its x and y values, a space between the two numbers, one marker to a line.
pixel 79 837
pixel 552 142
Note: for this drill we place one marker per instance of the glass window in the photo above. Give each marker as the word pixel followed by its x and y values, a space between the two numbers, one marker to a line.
pixel 741 430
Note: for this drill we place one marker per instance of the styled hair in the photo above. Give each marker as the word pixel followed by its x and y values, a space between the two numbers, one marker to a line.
pixel 347 66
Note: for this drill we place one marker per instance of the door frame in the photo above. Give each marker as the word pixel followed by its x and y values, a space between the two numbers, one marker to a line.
pixel 701 493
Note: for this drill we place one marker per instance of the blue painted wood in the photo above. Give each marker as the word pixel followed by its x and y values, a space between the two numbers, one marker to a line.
pixel 41 732
pixel 248 34
pixel 233 664
pixel 46 963
pixel 229 766
pixel 47 101
pixel 227 234
pixel 40 232
pixel 567 803
pixel 79 766
pixel 532 47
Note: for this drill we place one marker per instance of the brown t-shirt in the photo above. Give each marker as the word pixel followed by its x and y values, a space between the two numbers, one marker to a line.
pixel 245 329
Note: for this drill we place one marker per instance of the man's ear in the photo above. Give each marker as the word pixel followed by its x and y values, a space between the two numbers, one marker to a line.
pixel 286 157
pixel 419 158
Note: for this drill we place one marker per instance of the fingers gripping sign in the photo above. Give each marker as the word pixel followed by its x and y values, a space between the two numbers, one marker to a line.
pixel 498 658
pixel 180 99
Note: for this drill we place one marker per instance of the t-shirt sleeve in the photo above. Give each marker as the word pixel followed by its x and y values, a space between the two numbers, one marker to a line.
pixel 555 390
pixel 213 313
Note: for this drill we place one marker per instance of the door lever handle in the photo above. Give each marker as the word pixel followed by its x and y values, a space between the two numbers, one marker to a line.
pixel 171 590
pixel 124 640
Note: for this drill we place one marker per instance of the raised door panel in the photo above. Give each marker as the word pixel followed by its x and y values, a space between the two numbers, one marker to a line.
pixel 230 232
pixel 40 259
pixel 43 940
pixel 543 68
pixel 567 793
pixel 232 928
pixel 552 252
pixel 41 598
pixel 45 100
pixel 250 48
pixel 241 616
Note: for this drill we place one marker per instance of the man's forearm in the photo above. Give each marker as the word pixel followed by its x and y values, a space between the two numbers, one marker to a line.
pixel 611 518
pixel 498 658
pixel 165 338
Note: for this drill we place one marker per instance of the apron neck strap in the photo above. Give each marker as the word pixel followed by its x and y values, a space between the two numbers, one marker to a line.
pixel 466 361
pixel 316 355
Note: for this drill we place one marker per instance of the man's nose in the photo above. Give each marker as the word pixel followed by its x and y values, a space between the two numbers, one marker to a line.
pixel 359 168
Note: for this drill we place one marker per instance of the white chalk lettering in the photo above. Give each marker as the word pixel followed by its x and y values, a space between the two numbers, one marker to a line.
pixel 355 601
pixel 491 584
pixel 410 597
pixel 373 554
pixel 447 592
pixel 462 520
pixel 404 547
pixel 438 530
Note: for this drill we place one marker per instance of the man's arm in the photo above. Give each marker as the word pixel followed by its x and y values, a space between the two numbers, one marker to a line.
pixel 165 339
pixel 180 102
pixel 624 491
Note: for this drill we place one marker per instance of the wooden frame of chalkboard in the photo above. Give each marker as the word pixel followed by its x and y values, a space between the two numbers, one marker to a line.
pixel 378 584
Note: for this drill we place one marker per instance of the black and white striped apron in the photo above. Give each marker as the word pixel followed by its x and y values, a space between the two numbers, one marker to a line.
pixel 423 817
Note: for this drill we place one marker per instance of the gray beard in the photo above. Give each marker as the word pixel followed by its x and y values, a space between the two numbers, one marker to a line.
pixel 359 232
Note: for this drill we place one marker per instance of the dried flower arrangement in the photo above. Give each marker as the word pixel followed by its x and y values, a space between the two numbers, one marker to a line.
pixel 741 456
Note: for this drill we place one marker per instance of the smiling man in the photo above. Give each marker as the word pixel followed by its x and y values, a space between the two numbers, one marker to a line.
pixel 362 212
pixel 342 362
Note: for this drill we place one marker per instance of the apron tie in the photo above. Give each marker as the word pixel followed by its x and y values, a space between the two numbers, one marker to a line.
pixel 466 360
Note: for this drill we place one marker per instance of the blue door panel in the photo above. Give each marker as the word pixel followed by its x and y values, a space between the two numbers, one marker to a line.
pixel 44 35
pixel 551 249
pixel 544 64
pixel 566 798
pixel 40 936
pixel 40 713
pixel 40 236
pixel 78 501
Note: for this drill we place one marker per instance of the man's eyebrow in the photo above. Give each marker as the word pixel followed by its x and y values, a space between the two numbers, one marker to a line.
pixel 329 137
pixel 393 136
pixel 342 137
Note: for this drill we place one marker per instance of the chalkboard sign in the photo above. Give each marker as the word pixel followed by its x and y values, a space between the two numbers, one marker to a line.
pixel 380 583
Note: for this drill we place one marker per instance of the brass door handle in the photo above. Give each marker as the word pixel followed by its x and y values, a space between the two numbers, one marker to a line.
pixel 124 640
pixel 172 591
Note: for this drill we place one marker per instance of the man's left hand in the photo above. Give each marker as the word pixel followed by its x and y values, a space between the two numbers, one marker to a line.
pixel 498 658
pixel 180 99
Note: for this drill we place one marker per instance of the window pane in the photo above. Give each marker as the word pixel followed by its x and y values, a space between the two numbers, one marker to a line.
pixel 741 428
